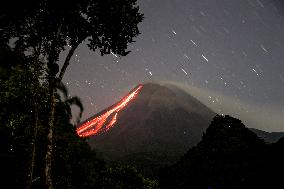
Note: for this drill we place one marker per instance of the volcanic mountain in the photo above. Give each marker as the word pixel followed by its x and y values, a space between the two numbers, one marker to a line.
pixel 153 126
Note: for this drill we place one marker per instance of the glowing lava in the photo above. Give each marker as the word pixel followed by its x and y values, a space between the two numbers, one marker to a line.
pixel 96 125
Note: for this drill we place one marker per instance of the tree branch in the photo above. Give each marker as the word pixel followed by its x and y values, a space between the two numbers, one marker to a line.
pixel 52 51
pixel 67 60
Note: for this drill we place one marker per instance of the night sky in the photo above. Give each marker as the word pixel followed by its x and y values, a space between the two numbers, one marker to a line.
pixel 227 53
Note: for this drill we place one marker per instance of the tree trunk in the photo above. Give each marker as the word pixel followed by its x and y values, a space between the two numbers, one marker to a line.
pixel 31 174
pixel 67 60
pixel 48 157
pixel 52 88
pixel 35 87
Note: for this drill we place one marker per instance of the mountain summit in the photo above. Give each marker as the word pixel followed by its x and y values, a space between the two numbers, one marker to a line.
pixel 156 126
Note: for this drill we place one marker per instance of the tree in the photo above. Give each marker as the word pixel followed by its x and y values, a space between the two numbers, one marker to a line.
pixel 44 29
pixel 73 159
pixel 76 163
pixel 21 150
pixel 226 157
pixel 18 110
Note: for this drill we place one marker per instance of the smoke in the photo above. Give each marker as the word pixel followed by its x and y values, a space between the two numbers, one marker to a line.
pixel 269 119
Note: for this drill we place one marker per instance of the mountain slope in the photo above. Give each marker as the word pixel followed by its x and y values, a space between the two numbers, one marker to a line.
pixel 155 128
pixel 269 137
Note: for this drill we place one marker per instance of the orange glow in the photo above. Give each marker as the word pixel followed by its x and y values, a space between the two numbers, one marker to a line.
pixel 97 125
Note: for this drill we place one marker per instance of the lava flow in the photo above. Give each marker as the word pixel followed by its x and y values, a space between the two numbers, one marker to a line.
pixel 96 125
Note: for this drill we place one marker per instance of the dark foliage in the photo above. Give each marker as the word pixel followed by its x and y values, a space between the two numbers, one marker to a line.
pixel 46 27
pixel 39 32
pixel 16 113
pixel 229 156
pixel 75 164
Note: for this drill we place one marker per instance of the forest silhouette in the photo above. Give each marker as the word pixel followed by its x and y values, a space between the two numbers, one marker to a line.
pixel 39 146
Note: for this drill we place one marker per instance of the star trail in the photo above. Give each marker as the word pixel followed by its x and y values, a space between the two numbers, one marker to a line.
pixel 233 48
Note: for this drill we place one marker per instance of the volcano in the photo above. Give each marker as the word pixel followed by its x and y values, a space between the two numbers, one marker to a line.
pixel 152 126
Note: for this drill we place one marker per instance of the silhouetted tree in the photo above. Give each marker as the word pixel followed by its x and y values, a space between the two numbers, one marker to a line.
pixel 75 165
pixel 44 29
pixel 18 104
pixel 226 157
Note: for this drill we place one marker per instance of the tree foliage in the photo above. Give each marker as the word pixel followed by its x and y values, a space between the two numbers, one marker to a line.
pixel 75 164
pixel 41 30
pixel 47 27
pixel 17 100
pixel 229 156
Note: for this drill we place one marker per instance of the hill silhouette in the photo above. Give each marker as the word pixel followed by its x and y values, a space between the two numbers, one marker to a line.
pixel 269 137
pixel 229 156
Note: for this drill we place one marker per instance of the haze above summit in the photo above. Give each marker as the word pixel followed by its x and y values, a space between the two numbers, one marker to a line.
pixel 233 48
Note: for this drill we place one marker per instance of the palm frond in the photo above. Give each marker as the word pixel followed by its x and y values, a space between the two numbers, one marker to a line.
pixel 62 89
pixel 77 102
